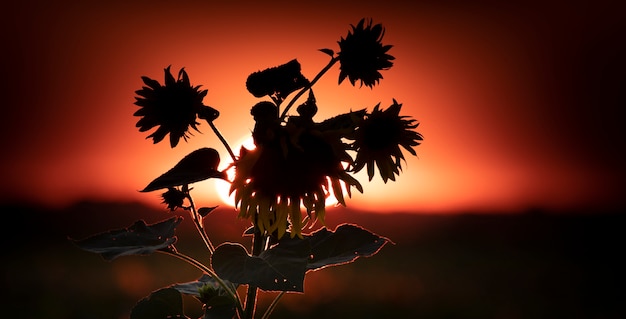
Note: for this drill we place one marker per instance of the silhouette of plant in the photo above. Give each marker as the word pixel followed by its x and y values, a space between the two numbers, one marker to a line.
pixel 297 163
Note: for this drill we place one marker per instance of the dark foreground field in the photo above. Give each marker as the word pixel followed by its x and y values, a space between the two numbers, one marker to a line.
pixel 534 265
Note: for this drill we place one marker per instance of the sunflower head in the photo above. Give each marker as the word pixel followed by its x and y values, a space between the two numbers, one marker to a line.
pixel 296 166
pixel 378 138
pixel 363 55
pixel 173 198
pixel 172 107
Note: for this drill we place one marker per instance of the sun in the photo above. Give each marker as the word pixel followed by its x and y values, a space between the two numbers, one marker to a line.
pixel 222 187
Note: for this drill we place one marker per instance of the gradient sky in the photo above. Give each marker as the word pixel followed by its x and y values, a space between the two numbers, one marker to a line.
pixel 520 106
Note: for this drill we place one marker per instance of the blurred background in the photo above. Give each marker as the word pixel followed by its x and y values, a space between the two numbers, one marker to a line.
pixel 512 209
pixel 530 265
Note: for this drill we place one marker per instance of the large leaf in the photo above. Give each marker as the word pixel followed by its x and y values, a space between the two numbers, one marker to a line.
pixel 163 303
pixel 138 239
pixel 283 266
pixel 276 269
pixel 197 166
pixel 218 303
pixel 347 243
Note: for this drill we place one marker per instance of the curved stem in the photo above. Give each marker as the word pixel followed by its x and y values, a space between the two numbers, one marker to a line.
pixel 269 310
pixel 191 261
pixel 223 140
pixel 233 294
pixel 197 220
pixel 308 87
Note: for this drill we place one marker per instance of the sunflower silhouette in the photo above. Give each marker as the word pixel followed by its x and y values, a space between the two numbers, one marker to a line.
pixel 173 107
pixel 378 139
pixel 363 55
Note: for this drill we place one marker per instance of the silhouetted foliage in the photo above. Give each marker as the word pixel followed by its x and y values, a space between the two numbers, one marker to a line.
pixel 281 186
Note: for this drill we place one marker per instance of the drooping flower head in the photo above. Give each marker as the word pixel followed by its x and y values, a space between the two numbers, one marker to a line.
pixel 363 55
pixel 378 139
pixel 173 107
pixel 277 82
pixel 293 165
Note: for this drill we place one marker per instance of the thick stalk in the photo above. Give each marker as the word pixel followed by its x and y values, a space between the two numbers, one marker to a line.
pixel 308 87
pixel 257 247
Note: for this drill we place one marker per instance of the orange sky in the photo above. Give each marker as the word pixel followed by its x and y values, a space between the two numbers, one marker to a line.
pixel 518 105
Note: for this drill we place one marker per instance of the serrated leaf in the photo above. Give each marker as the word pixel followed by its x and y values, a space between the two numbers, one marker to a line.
pixel 276 269
pixel 197 166
pixel 284 265
pixel 347 243
pixel 138 239
pixel 163 303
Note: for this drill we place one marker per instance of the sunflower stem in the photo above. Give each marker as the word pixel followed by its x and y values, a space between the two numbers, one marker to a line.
pixel 223 140
pixel 269 310
pixel 233 293
pixel 197 220
pixel 308 87
pixel 257 247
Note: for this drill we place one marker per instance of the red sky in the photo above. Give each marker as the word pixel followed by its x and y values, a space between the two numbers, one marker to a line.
pixel 520 105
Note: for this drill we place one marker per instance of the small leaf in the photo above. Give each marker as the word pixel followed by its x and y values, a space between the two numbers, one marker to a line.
pixel 203 211
pixel 138 239
pixel 163 303
pixel 197 166
pixel 328 51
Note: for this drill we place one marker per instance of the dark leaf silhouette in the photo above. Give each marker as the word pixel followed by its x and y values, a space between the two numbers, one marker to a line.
pixel 163 303
pixel 328 51
pixel 138 239
pixel 347 243
pixel 283 266
pixel 199 165
pixel 203 211
pixel 276 269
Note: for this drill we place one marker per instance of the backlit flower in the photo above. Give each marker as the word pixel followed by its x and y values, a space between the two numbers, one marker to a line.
pixel 363 55
pixel 277 82
pixel 295 165
pixel 172 107
pixel 378 139
pixel 173 198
